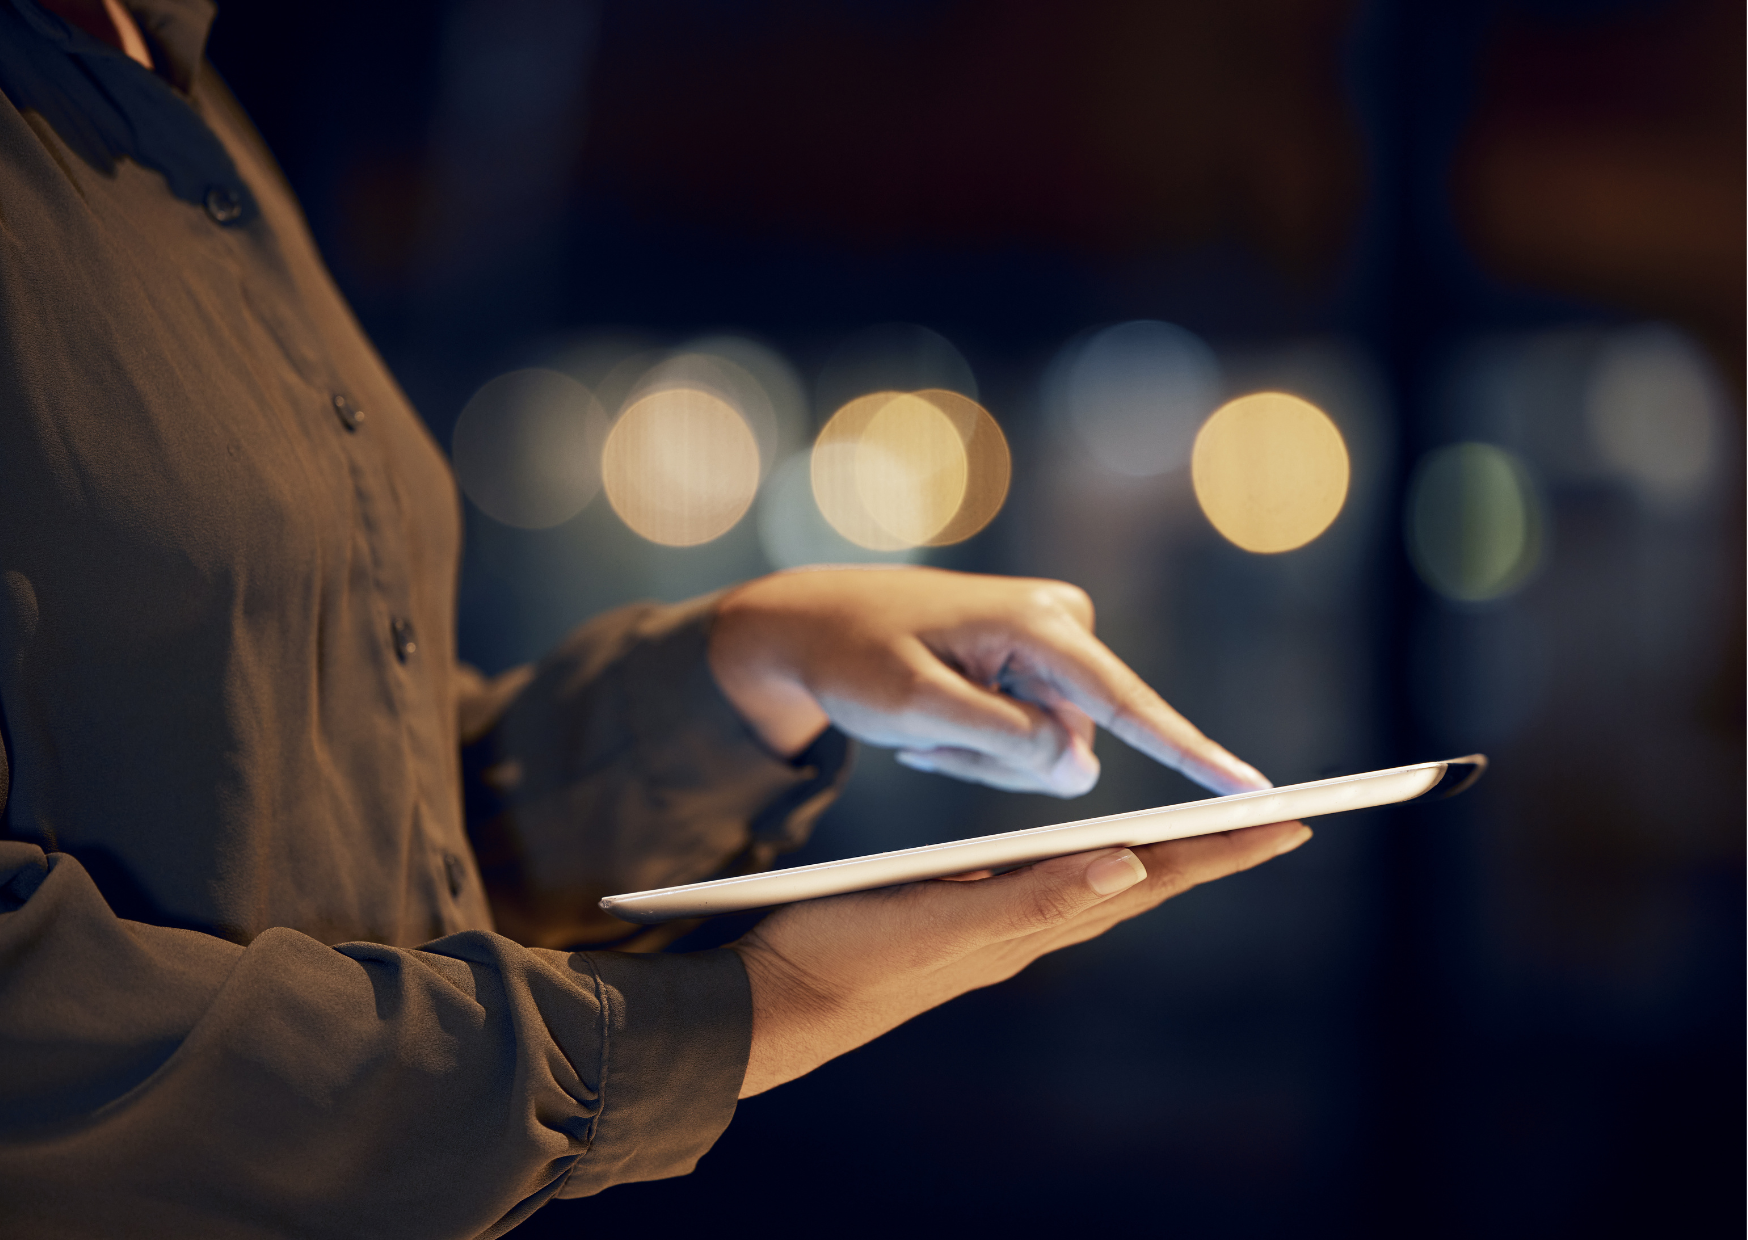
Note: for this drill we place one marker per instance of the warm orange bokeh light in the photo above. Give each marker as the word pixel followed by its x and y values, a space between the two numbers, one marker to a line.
pixel 1270 471
pixel 989 465
pixel 681 466
pixel 889 471
pixel 893 470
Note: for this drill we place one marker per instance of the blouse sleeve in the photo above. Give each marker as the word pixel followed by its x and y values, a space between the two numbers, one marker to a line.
pixel 617 765
pixel 162 1082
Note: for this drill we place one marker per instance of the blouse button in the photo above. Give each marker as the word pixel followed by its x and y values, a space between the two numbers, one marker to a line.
pixel 350 415
pixel 223 205
pixel 402 633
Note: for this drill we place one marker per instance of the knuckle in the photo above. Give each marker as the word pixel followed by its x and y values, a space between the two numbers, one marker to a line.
pixel 907 688
pixel 1048 904
pixel 1057 597
pixel 1168 880
pixel 1070 598
pixel 1044 595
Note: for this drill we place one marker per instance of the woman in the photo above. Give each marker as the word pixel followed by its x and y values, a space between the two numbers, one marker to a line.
pixel 249 983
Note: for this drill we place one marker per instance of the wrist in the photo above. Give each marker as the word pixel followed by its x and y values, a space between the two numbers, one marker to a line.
pixel 794 1024
pixel 751 657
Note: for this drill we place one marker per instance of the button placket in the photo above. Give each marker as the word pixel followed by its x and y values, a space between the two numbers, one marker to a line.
pixel 350 415
pixel 455 871
pixel 405 641
pixel 224 205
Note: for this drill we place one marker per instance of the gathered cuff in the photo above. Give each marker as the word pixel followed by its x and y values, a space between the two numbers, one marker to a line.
pixel 618 765
pixel 677 1031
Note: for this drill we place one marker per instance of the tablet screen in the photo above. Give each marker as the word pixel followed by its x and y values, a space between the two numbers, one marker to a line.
pixel 1017 848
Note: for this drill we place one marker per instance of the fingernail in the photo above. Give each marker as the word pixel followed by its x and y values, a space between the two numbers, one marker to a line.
pixel 915 762
pixel 1294 840
pixel 1117 872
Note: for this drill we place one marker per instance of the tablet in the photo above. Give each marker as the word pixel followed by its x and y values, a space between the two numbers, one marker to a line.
pixel 1016 848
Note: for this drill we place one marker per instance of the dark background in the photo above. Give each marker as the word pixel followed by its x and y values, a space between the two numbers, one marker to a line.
pixel 1515 1014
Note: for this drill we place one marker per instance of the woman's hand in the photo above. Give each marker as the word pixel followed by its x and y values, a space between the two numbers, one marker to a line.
pixel 998 680
pixel 828 975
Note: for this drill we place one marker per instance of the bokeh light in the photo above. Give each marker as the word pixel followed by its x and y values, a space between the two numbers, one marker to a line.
pixel 893 470
pixel 1653 408
pixel 681 466
pixel 793 533
pixel 1270 471
pixel 989 465
pixel 527 448
pixel 755 380
pixel 1134 394
pixel 911 469
pixel 1474 522
pixel 889 470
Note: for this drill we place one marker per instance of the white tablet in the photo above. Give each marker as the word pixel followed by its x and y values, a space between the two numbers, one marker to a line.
pixel 1017 848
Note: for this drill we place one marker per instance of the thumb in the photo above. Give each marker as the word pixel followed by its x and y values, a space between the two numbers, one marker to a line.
pixel 1042 896
pixel 1073 773
pixel 1043 748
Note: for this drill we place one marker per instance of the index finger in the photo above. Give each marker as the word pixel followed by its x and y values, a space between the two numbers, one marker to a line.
pixel 1068 661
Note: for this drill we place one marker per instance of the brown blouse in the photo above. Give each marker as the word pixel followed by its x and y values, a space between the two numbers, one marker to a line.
pixel 248 979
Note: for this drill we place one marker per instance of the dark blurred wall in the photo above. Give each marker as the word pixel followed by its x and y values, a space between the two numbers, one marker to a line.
pixel 1601 161
pixel 1518 1014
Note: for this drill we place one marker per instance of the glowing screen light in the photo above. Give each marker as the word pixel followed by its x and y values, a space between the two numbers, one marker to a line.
pixel 681 466
pixel 527 448
pixel 1652 409
pixel 1134 394
pixel 1473 522
pixel 1270 471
